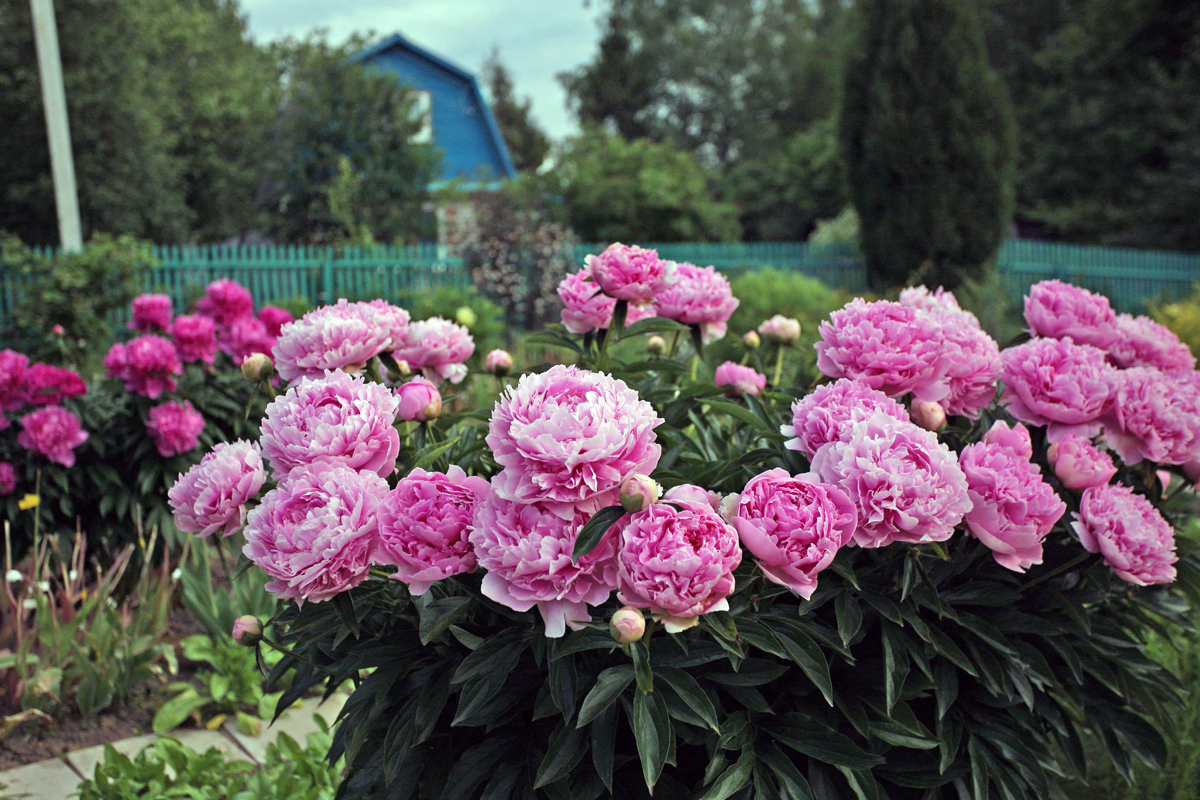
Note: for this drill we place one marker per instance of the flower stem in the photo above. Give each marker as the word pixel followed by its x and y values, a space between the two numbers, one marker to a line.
pixel 1060 569
pixel 293 654
pixel 778 366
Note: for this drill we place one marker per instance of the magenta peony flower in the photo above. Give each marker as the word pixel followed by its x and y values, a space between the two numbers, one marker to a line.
pixel 1079 464
pixel 743 380
pixel 973 365
pixel 1016 438
pixel 526 551
pixel 243 337
pixel 678 562
pixel 438 347
pixel 1012 507
pixel 1155 416
pixel 147 365
pixel 151 313
pixel 1057 310
pixel 338 419
pixel 888 346
pixel 1057 383
pixel 8 478
pixel 699 296
pixel 12 379
pixel 629 272
pixel 569 436
pixel 827 414
pixel 176 428
pixel 793 526
pixel 419 400
pixel 211 497
pixel 343 336
pixel 1129 532
pixel 46 385
pixel 224 301
pixel 195 338
pixel 274 318
pixel 52 432
pixel 906 484
pixel 315 533
pixel 1142 342
pixel 424 524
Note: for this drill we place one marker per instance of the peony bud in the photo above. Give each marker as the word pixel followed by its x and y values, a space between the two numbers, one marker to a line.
pixel 403 368
pixel 257 367
pixel 656 345
pixel 465 316
pixel 752 340
pixel 58 330
pixel 638 492
pixel 499 363
pixel 247 630
pixel 420 401
pixel 927 414
pixel 627 625
pixel 780 329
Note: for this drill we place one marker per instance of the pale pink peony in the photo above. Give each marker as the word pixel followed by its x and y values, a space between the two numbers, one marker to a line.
pixel 1154 416
pixel 244 337
pixel 1013 508
pixel 629 272
pixel 699 296
pixel 780 329
pixel 678 562
pixel 973 365
pixel 888 346
pixel 1058 310
pixel 419 401
pixel 47 385
pixel 1142 342
pixel 224 301
pixel 1079 464
pixel 393 318
pixel 1129 532
pixel 498 362
pixel 1057 383
pixel 8 478
pixel 52 432
pixel 906 484
pixel 437 347
pixel 794 526
pixel 742 380
pixel 314 535
pixel 939 301
pixel 342 336
pixel 338 419
pixel 585 307
pixel 12 377
pixel 147 365
pixel 151 313
pixel 569 436
pixel 527 550
pixel 274 318
pixel 195 338
pixel 175 427
pixel 211 497
pixel 424 524
pixel 690 493
pixel 927 414
pixel 828 413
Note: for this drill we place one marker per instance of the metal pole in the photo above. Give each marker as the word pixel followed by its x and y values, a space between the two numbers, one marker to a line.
pixel 58 131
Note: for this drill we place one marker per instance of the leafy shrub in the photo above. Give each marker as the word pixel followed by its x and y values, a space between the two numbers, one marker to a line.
pixel 230 684
pixel 843 228
pixel 1183 317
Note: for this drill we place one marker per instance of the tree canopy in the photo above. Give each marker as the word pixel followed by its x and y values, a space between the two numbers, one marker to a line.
pixel 527 143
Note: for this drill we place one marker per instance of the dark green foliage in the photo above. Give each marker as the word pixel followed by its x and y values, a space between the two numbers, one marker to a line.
pixel 528 145
pixel 928 136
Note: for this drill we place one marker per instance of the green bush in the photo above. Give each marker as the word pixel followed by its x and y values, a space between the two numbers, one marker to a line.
pixel 1183 317
pixel 485 321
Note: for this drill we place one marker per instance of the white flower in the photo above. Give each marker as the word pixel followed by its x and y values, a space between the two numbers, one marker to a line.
pixel 29 604
pixel 12 576
pixel 72 576
pixel 176 573
pixel 44 587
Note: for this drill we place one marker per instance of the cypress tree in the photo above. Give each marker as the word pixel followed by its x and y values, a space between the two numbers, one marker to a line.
pixel 929 141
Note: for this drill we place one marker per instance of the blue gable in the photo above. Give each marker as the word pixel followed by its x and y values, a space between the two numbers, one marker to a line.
pixel 463 126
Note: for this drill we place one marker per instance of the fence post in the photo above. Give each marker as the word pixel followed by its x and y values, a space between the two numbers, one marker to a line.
pixel 327 279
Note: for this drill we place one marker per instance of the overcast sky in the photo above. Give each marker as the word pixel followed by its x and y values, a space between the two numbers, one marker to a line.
pixel 537 38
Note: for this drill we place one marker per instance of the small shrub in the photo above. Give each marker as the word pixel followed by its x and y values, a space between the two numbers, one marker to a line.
pixel 1183 317
pixel 485 320
pixel 841 229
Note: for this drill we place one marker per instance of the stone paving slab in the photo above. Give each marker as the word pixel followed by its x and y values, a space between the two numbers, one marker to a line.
pixel 297 723
pixel 85 760
pixel 45 780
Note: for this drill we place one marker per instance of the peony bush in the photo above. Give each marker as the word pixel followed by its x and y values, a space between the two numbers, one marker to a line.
pixel 929 576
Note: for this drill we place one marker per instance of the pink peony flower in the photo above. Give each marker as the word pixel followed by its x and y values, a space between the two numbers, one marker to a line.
pixel 274 318
pixel 679 563
pixel 1016 438
pixel 8 478
pixel 12 378
pixel 699 296
pixel 244 337
pixel 1079 464
pixel 424 524
pixel 793 526
pixel 224 301
pixel 629 272
pixel 315 533
pixel 195 338
pixel 1012 508
pixel 1155 416
pixel 1057 383
pixel 393 318
pixel 974 365
pixel 780 329
pixel 585 307
pixel 743 380
pixel 52 432
pixel 906 484
pixel 936 302
pixel 151 313
pixel 828 413
pixel 1058 310
pixel 147 365
pixel 690 493
pixel 211 497
pixel 527 554
pixel 343 336
pixel 438 347
pixel 888 346
pixel 419 400
pixel 1142 342
pixel 498 362
pixel 176 428
pixel 569 436
pixel 46 385
pixel 1129 532
pixel 338 419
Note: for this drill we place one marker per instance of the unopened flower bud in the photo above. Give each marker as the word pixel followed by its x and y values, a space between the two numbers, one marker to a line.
pixel 927 414
pixel 420 400
pixel 499 363
pixel 656 345
pixel 58 330
pixel 638 492
pixel 257 366
pixel 752 340
pixel 780 329
pixel 465 316
pixel 627 625
pixel 403 368
pixel 247 630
